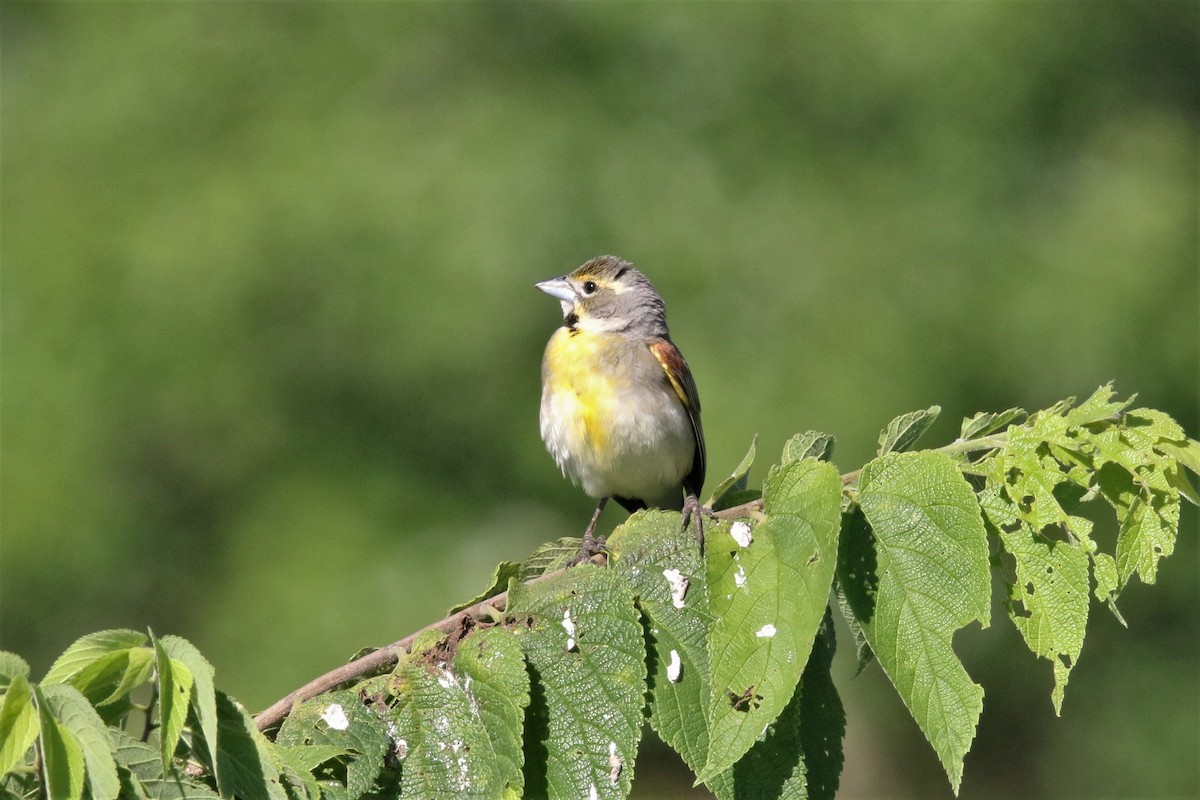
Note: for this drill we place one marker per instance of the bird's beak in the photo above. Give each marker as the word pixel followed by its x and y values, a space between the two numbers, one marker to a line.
pixel 560 290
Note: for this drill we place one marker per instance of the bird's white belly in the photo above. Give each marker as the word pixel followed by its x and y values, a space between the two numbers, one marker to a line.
pixel 635 443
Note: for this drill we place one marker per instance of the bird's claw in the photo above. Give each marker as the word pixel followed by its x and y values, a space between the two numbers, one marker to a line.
pixel 588 547
pixel 693 510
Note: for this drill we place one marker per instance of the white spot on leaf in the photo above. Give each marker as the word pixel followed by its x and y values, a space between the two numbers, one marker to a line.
pixel 766 631
pixel 740 531
pixel 678 584
pixel 335 717
pixel 569 626
pixel 739 577
pixel 674 666
pixel 614 763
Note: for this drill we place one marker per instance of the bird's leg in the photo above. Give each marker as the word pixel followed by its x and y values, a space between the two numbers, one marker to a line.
pixel 692 509
pixel 591 543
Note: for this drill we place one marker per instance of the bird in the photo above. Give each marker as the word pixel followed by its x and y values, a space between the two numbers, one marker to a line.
pixel 620 412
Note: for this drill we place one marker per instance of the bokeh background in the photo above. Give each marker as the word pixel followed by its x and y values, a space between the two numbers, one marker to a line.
pixel 271 345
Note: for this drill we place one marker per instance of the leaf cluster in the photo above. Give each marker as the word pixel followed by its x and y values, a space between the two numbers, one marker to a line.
pixel 725 650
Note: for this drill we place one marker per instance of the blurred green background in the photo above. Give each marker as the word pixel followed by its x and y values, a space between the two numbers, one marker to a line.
pixel 271 345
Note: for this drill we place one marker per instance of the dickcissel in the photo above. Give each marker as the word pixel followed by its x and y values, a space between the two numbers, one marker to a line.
pixel 620 412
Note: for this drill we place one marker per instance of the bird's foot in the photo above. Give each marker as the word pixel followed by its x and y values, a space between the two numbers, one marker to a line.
pixel 693 510
pixel 591 544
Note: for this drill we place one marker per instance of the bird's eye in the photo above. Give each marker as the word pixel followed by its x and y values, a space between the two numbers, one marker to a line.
pixel 589 287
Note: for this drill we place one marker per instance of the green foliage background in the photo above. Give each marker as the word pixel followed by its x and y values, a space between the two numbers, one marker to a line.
pixel 270 344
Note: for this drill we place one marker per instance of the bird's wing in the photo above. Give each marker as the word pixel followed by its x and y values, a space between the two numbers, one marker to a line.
pixel 680 377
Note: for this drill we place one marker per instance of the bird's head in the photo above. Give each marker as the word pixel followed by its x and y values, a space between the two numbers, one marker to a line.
pixel 608 294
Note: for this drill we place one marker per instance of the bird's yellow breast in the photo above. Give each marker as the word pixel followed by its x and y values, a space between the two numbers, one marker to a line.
pixel 610 417
pixel 582 392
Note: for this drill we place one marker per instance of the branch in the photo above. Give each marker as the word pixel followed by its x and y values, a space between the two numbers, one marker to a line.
pixel 386 657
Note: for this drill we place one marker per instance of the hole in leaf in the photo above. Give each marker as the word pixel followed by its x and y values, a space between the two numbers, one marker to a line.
pixel 1065 659
pixel 1029 588
pixel 748 700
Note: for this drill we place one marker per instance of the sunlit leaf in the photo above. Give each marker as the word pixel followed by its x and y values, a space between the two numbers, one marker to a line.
pixel 459 718
pixel 76 714
pixel 662 563
pixel 587 664
pixel 768 587
pixel 932 579
pixel 62 757
pixel 737 480
pixel 87 649
pixel 343 721
pixel 203 699
pixel 18 723
pixel 810 444
pixel 247 768
pixel 174 694
pixel 904 431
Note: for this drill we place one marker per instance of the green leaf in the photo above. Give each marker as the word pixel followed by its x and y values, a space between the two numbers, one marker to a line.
pixel 18 723
pixel 11 666
pixel 174 693
pixel 822 718
pixel 62 757
pixel 1048 600
pixel 549 557
pixel 140 768
pixel 88 649
pixel 737 480
pixel 662 563
pixel 1147 508
pixel 140 758
pixel 203 700
pixel 494 668
pixel 73 710
pixel 1186 453
pixel 857 580
pixel 1178 480
pixel 504 572
pixel 904 431
pixel 177 787
pixel 799 756
pixel 1100 407
pixel 307 757
pixel 1156 424
pixel 932 579
pixel 768 587
pixel 587 663
pixel 459 721
pixel 984 423
pixel 109 679
pixel 810 444
pixel 342 720
pixel 296 765
pixel 247 768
